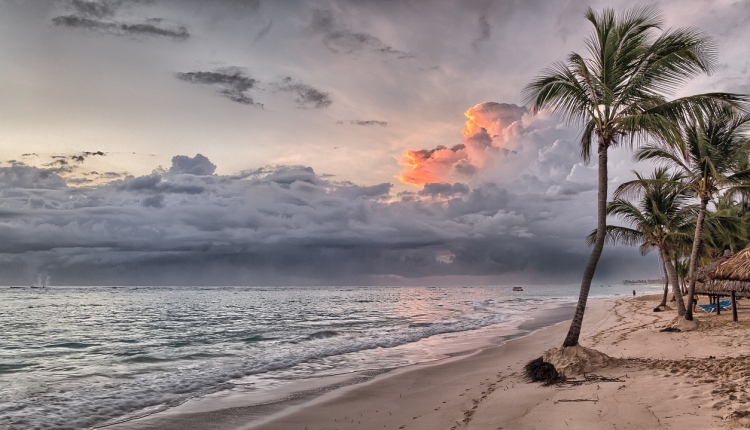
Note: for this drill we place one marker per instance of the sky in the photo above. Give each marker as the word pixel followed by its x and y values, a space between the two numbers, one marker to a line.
pixel 251 142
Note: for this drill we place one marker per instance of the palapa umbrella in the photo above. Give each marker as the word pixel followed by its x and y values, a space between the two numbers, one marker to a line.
pixel 726 277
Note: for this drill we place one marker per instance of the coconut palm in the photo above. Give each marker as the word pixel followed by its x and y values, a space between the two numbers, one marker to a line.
pixel 659 219
pixel 727 206
pixel 682 273
pixel 713 158
pixel 618 95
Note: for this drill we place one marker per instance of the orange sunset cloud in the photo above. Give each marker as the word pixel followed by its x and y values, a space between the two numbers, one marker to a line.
pixel 484 131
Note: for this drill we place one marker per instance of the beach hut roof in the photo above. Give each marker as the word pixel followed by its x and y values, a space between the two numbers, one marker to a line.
pixel 736 267
pixel 724 275
pixel 707 272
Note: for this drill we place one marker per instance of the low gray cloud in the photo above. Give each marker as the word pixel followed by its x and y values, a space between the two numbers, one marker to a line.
pixel 306 96
pixel 279 224
pixel 97 9
pixel 444 190
pixel 198 165
pixel 230 82
pixel 120 28
pixel 234 84
pixel 102 16
pixel 342 40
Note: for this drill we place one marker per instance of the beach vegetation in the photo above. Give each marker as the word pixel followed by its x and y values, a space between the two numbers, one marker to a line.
pixel 712 157
pixel 618 93
pixel 659 219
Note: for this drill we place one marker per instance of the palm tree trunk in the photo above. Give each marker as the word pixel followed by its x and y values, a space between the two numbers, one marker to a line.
pixel 672 271
pixel 666 282
pixel 574 332
pixel 694 256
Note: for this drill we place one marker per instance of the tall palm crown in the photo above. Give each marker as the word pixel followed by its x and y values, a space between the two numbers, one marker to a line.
pixel 713 157
pixel 619 95
pixel 661 216
pixel 621 90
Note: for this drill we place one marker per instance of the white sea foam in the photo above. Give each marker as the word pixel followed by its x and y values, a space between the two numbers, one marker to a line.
pixel 81 357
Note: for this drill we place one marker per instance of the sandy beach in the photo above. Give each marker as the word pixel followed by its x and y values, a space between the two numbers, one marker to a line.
pixel 696 379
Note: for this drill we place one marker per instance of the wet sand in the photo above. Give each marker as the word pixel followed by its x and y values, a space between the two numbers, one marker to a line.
pixel 697 379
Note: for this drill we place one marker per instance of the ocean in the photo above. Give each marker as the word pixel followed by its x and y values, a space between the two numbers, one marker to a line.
pixel 89 357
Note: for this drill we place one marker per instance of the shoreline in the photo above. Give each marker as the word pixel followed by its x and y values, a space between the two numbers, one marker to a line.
pixel 661 380
pixel 239 412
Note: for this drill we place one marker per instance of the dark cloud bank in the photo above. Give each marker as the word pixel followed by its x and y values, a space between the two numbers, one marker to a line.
pixel 280 225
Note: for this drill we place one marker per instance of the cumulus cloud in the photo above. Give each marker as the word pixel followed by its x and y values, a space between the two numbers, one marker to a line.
pixel 198 165
pixel 230 82
pixel 489 129
pixel 444 190
pixel 278 224
pixel 340 39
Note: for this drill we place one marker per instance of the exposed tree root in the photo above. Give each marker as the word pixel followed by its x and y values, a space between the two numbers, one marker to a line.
pixel 538 370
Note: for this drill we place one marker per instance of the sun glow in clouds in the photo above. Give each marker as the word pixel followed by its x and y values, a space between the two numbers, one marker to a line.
pixel 486 130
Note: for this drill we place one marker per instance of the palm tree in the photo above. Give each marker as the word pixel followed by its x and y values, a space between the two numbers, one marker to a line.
pixel 659 219
pixel 713 158
pixel 722 239
pixel 682 273
pixel 619 96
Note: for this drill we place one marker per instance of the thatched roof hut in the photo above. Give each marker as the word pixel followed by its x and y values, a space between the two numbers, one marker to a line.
pixel 724 275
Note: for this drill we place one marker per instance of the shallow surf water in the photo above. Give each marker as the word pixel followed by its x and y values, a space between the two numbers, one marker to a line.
pixel 90 356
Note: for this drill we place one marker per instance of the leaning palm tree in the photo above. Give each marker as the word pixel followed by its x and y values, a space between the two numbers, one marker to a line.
pixel 713 158
pixel 659 219
pixel 619 95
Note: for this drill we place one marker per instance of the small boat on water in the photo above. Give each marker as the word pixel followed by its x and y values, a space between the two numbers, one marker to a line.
pixel 517 288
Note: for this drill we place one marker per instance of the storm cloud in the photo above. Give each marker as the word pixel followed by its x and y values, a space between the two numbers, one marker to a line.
pixel 276 224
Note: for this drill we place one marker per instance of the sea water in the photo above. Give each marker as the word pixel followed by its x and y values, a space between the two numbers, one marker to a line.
pixel 83 357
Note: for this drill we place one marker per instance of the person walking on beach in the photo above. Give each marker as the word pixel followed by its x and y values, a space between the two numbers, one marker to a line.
pixel 695 301
pixel 633 293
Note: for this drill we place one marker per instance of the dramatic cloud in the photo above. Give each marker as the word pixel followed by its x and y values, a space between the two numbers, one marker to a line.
pixel 279 224
pixel 341 40
pixel 231 82
pixel 307 96
pixel 490 129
